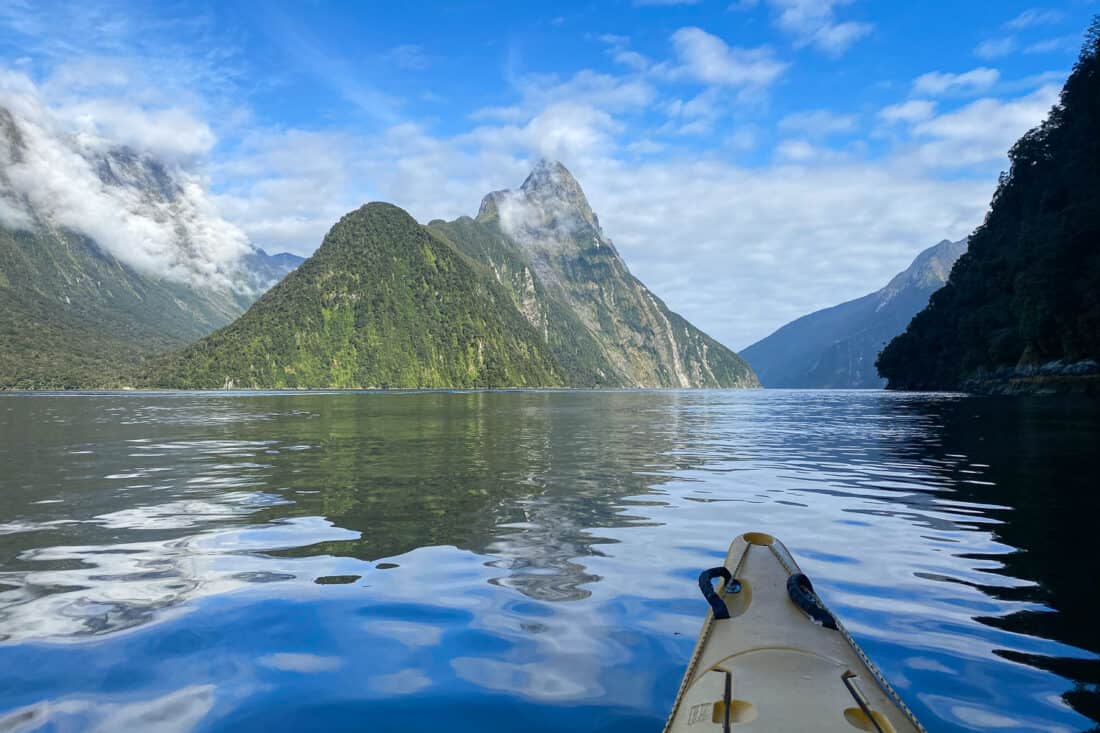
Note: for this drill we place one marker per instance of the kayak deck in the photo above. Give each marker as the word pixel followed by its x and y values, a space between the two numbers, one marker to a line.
pixel 770 666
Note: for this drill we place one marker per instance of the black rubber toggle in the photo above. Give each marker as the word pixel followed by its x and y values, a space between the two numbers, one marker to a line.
pixel 801 591
pixel 717 605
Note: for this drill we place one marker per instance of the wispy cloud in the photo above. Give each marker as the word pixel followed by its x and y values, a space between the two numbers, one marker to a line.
pixel 814 23
pixel 818 123
pixel 994 48
pixel 939 82
pixel 981 131
pixel 708 59
pixel 1062 44
pixel 330 70
pixel 914 110
pixel 621 53
pixel 1035 17
pixel 1005 45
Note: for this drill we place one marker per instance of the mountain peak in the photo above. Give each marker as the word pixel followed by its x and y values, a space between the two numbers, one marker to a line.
pixel 549 198
pixel 929 269
pixel 548 173
pixel 551 183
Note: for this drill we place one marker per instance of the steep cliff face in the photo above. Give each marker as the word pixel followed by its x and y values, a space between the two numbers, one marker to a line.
pixel 836 348
pixel 1027 293
pixel 77 311
pixel 627 336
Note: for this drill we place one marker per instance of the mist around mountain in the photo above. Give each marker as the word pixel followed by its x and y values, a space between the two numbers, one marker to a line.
pixel 1024 302
pixel 529 294
pixel 108 257
pixel 836 348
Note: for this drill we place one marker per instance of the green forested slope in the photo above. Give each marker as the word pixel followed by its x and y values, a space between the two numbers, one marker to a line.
pixel 74 317
pixel 382 303
pixel 1028 290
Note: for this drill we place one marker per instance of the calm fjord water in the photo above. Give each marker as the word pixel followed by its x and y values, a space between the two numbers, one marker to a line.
pixel 526 561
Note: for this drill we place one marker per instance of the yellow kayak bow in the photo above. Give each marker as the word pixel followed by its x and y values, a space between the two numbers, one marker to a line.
pixel 772 658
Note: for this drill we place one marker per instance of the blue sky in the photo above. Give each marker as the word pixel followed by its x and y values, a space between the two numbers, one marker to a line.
pixel 752 160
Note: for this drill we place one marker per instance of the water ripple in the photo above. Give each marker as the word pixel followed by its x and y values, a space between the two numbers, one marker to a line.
pixel 249 562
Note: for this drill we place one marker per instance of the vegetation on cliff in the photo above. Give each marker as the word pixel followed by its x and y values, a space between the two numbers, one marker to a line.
pixel 382 303
pixel 1028 290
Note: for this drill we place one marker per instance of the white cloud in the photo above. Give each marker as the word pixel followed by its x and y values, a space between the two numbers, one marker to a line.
pixel 848 226
pixel 818 123
pixel 165 133
pixel 605 91
pixel 814 23
pixel 994 48
pixel 160 220
pixel 1053 45
pixel 795 150
pixel 938 82
pixel 1035 16
pixel 915 110
pixel 619 49
pixel 982 131
pixel 708 59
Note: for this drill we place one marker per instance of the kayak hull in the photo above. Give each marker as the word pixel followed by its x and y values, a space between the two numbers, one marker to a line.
pixel 771 667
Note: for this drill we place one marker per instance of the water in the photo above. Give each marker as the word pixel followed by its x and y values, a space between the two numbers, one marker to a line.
pixel 526 561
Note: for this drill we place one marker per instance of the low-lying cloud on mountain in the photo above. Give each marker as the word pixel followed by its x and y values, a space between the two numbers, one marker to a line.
pixel 91 169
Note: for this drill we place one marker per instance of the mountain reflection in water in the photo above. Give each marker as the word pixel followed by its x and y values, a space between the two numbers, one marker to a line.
pixel 332 559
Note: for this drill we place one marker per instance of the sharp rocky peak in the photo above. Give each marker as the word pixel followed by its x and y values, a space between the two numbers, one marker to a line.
pixel 550 197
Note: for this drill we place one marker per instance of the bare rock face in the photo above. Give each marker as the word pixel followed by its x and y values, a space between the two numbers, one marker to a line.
pixel 630 337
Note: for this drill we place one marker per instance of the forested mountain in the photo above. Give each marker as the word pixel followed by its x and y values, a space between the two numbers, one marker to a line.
pixel 836 348
pixel 72 312
pixel 382 303
pixel 110 258
pixel 544 243
pixel 1027 293
pixel 530 293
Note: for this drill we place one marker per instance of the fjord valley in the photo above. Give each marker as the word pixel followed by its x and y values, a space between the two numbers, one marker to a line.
pixel 398 367
pixel 837 347
pixel 529 294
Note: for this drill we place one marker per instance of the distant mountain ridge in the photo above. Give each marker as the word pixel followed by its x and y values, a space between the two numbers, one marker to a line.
pixel 529 294
pixel 836 348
